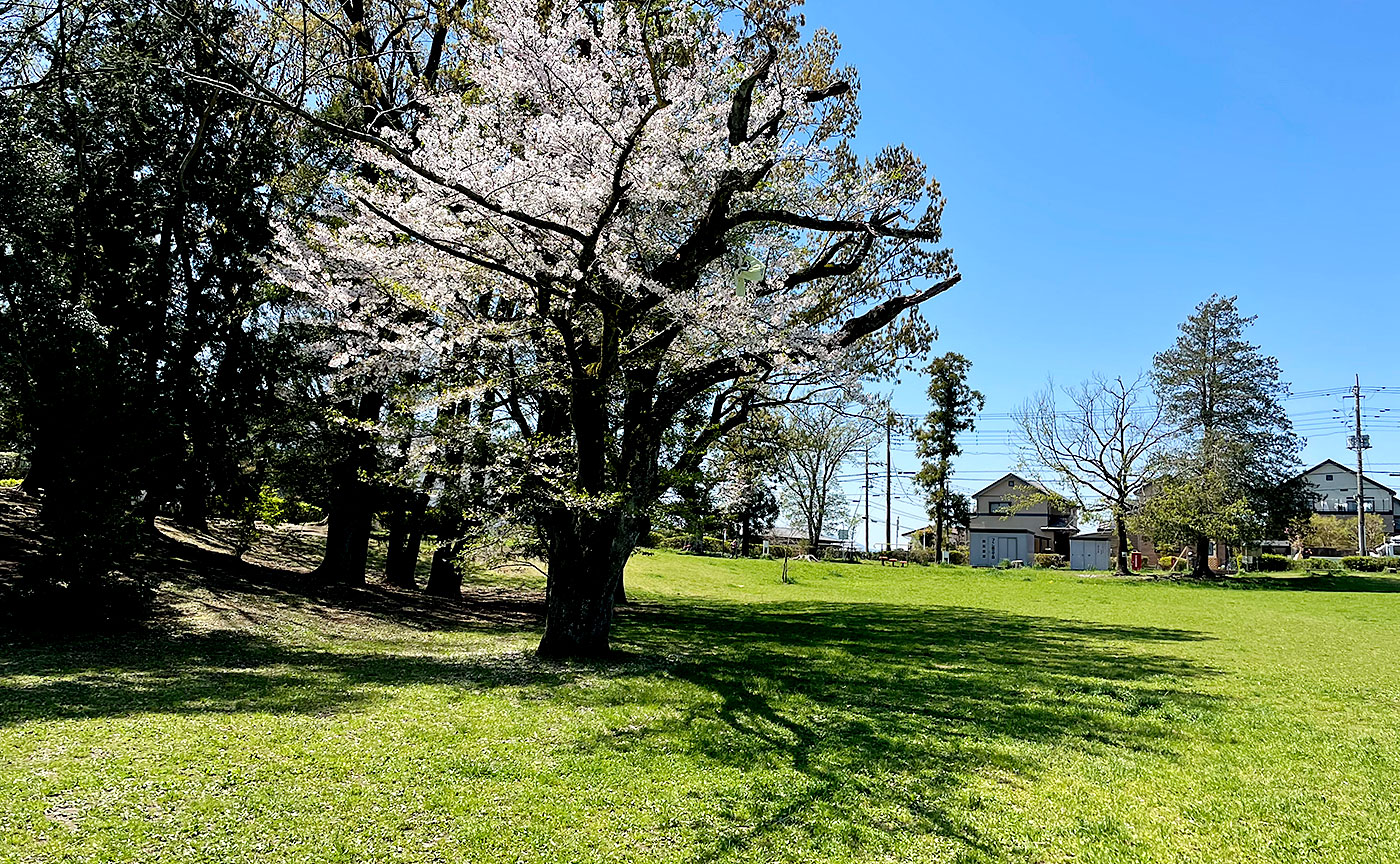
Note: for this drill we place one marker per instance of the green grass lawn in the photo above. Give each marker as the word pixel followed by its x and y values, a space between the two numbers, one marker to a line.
pixel 860 714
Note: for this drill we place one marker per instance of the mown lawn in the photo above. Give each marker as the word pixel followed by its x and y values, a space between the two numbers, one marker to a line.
pixel 861 714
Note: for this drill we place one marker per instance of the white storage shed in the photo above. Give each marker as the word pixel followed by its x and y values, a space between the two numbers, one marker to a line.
pixel 1091 551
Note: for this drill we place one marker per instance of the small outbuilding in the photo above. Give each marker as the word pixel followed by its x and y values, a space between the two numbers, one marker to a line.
pixel 1092 550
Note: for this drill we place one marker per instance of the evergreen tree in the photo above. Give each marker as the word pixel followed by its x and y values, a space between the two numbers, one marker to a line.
pixel 953 408
pixel 142 352
pixel 1225 395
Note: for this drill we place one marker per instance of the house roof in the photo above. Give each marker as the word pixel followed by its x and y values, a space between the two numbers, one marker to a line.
pixel 1031 483
pixel 1345 470
pixel 783 532
pixel 929 527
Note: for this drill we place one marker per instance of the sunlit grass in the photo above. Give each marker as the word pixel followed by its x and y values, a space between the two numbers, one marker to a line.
pixel 859 714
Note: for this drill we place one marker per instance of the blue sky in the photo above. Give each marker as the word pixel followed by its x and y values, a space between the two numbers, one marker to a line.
pixel 1110 165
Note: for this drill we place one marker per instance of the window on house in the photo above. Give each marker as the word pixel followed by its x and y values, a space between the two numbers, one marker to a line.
pixel 1329 476
pixel 1011 483
pixel 999 507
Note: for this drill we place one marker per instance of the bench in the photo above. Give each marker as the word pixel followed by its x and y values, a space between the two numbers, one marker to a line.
pixel 893 562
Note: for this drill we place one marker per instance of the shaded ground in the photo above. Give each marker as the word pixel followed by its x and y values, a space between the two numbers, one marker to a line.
pixel 859 714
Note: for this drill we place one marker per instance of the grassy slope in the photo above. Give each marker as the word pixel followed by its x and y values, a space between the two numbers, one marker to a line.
pixel 860 714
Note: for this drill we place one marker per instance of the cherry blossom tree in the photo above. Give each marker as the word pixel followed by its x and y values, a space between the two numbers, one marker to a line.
pixel 620 213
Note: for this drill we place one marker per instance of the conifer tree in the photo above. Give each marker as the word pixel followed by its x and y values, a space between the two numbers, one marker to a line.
pixel 1225 396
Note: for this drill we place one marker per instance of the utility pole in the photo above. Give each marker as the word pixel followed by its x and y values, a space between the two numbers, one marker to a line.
pixel 897 535
pixel 867 500
pixel 1359 443
pixel 889 497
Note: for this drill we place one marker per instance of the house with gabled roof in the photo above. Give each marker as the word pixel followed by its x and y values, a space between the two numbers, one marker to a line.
pixel 1014 519
pixel 1333 487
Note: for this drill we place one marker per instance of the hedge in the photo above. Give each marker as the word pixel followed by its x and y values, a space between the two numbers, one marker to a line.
pixel 1369 564
pixel 1273 563
pixel 1049 560
pixel 684 542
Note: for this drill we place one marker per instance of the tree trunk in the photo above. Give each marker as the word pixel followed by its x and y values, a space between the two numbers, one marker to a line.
pixel 351 508
pixel 349 518
pixel 401 565
pixel 1201 566
pixel 587 555
pixel 396 521
pixel 194 499
pixel 36 478
pixel 1121 526
pixel 938 526
pixel 445 577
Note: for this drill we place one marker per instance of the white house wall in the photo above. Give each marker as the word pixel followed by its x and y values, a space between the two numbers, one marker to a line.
pixel 990 548
pixel 1330 496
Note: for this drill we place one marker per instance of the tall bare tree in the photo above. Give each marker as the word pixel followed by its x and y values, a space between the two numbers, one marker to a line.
pixel 819 440
pixel 1099 442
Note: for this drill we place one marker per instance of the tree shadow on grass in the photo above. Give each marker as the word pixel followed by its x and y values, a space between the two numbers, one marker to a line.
pixel 1326 582
pixel 886 716
pixel 223 576
pixel 855 726
pixel 228 671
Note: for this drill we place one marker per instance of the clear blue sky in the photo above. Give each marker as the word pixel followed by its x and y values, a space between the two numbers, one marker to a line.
pixel 1109 165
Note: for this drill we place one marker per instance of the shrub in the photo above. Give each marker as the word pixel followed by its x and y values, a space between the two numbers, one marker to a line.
pixel 957 556
pixel 12 466
pixel 660 538
pixel 1272 563
pixel 1166 562
pixel 1004 564
pixel 1318 564
pixel 1049 560
pixel 923 557
pixel 686 543
pixel 1363 563
pixel 273 509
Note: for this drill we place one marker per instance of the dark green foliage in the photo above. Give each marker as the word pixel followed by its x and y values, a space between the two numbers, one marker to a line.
pixel 13 466
pixel 953 407
pixel 1274 563
pixel 1370 564
pixel 957 556
pixel 1237 466
pixel 1049 560
pixel 688 543
pixel 139 355
pixel 920 556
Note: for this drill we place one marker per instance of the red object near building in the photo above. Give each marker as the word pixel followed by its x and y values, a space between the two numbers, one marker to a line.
pixel 1135 561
